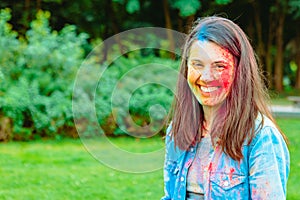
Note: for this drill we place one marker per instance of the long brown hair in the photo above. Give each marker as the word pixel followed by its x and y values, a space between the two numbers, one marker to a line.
pixel 234 122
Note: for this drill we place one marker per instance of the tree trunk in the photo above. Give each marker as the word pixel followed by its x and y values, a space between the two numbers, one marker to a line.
pixel 5 128
pixel 269 66
pixel 279 54
pixel 259 34
pixel 169 28
pixel 38 4
pixel 297 84
pixel 105 47
pixel 27 5
pixel 115 26
pixel 269 58
pixel 189 23
pixel 180 24
pixel 26 14
pixel 297 57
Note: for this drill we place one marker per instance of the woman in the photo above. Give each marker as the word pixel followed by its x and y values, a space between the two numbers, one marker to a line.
pixel 223 142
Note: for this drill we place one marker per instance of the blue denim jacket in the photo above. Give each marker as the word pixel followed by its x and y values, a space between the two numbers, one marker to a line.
pixel 261 174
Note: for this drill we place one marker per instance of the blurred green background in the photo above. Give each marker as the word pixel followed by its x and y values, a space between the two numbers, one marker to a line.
pixel 43 44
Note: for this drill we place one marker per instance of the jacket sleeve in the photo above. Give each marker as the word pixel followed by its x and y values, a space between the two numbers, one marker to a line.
pixel 166 171
pixel 269 164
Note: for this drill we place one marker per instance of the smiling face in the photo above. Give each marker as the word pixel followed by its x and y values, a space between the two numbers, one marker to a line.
pixel 210 72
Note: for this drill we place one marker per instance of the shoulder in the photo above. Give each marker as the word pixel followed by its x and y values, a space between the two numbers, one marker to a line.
pixel 266 131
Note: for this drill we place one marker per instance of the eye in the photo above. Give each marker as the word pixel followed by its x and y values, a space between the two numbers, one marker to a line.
pixel 220 67
pixel 195 64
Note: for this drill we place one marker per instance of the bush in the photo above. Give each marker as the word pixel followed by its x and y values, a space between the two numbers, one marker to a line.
pixel 38 73
pixel 136 92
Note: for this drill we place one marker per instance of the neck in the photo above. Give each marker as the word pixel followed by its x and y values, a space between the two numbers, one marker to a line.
pixel 209 112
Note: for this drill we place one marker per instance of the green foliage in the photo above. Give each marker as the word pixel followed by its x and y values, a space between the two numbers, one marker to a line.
pixel 128 89
pixel 133 6
pixel 52 1
pixel 294 8
pixel 9 44
pixel 38 76
pixel 38 72
pixel 223 2
pixel 186 7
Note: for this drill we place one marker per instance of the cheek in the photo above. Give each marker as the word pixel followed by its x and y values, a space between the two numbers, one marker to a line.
pixel 191 76
pixel 227 79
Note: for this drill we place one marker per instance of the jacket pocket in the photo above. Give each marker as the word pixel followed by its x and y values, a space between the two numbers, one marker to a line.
pixel 228 186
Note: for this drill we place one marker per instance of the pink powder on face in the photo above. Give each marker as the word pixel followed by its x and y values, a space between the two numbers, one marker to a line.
pixel 227 75
pixel 226 79
pixel 210 66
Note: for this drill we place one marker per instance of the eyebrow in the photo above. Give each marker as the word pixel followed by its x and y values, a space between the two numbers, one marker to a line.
pixel 221 62
pixel 215 62
pixel 195 60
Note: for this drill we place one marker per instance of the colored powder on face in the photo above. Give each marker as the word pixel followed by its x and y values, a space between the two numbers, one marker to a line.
pixel 226 79
pixel 219 74
pixel 227 75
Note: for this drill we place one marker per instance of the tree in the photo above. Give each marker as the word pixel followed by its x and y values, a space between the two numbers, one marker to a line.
pixel 268 23
pixel 280 8
pixel 294 10
pixel 187 10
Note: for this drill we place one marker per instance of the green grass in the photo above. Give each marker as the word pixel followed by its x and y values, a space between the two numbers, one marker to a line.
pixel 282 98
pixel 65 170
pixel 283 101
pixel 291 127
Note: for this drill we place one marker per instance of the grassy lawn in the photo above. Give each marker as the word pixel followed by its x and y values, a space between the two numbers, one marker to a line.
pixel 65 170
pixel 291 128
pixel 282 98
pixel 283 101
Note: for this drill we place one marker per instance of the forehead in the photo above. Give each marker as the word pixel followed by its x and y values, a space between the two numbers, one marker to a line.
pixel 205 50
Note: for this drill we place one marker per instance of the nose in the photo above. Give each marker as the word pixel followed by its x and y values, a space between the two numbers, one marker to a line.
pixel 206 75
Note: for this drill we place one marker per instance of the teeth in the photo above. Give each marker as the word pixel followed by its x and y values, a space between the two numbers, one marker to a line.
pixel 208 89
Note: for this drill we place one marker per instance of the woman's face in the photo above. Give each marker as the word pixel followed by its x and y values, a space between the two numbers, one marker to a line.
pixel 210 72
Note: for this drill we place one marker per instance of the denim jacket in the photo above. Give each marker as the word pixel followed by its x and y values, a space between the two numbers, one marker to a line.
pixel 261 174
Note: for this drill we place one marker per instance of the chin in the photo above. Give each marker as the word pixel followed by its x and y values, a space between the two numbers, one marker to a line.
pixel 210 103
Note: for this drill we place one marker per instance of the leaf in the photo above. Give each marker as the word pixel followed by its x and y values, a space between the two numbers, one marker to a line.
pixel 118 1
pixel 186 7
pixel 294 8
pixel 223 2
pixel 53 1
pixel 132 6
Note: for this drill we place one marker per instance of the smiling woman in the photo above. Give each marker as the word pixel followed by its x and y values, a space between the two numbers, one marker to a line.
pixel 223 142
